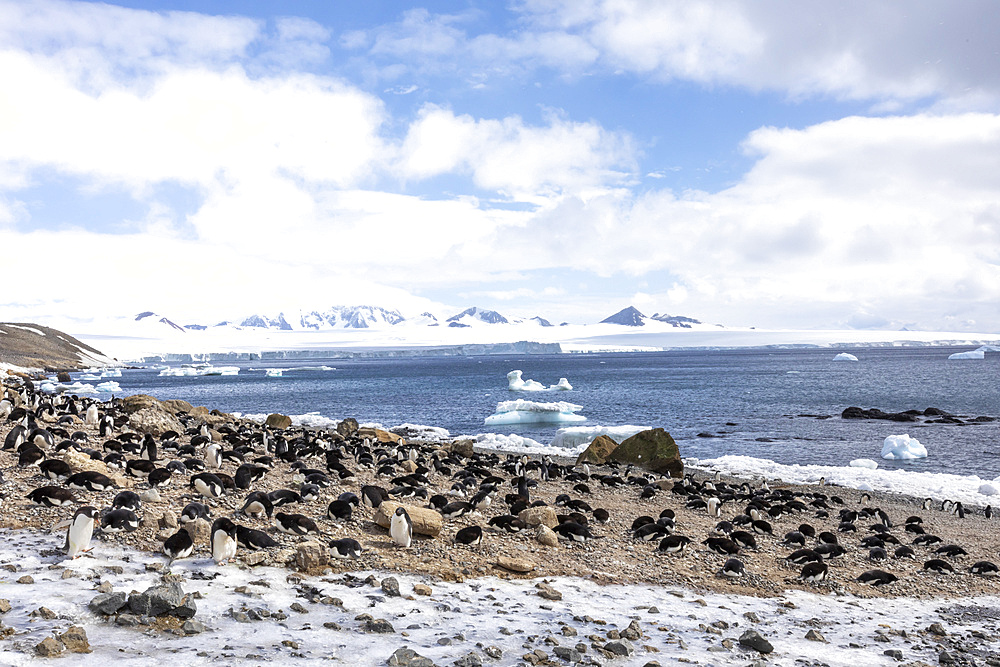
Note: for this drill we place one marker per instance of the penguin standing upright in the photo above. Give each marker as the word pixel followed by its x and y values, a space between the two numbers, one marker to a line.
pixel 80 532
pixel 401 528
pixel 223 540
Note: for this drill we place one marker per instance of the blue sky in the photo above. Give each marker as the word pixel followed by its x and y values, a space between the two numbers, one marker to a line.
pixel 770 164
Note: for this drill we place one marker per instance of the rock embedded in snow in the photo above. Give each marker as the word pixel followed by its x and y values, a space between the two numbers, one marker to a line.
pixel 903 448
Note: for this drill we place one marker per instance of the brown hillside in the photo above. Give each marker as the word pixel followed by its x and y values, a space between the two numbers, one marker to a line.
pixel 35 346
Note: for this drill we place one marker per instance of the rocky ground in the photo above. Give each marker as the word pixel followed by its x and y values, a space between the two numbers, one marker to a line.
pixel 615 557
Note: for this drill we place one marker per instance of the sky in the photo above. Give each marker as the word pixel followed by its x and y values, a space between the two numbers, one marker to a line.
pixel 781 164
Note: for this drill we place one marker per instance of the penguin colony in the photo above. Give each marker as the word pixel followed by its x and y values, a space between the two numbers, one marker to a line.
pixel 263 489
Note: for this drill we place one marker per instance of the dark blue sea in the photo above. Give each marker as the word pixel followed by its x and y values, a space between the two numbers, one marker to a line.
pixel 760 403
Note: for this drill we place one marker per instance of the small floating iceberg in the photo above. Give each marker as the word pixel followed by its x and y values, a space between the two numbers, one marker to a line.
pixel 844 356
pixel 515 383
pixel 529 412
pixel 903 448
pixel 863 463
pixel 273 373
pixel 109 387
pixel 973 354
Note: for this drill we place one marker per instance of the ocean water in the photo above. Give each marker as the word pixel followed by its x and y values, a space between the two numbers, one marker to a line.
pixel 759 403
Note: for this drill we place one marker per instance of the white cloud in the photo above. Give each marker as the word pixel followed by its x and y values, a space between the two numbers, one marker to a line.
pixel 509 156
pixel 858 50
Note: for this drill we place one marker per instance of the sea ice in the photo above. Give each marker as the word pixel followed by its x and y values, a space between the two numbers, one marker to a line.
pixel 109 387
pixel 531 412
pixel 988 489
pixel 844 356
pixel 903 447
pixel 863 463
pixel 515 383
pixel 273 372
pixel 974 354
pixel 199 370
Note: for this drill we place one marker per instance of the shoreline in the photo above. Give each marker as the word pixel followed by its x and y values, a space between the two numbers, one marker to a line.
pixel 613 558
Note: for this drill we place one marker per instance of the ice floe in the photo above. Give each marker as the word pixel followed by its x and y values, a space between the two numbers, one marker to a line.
pixel 864 463
pixel 903 447
pixel 844 356
pixel 531 412
pixel 515 383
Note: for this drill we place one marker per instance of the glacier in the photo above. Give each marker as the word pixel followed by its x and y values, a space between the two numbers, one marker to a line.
pixel 510 413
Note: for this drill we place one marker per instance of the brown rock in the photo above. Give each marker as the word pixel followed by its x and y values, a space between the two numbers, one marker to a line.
pixel 48 647
pixel 63 376
pixel 425 521
pixel 155 420
pixel 463 448
pixel 535 516
pixel 133 404
pixel 348 427
pixel 409 466
pixel 75 639
pixel 378 435
pixel 421 589
pixel 199 530
pixel 521 565
pixel 177 406
pixel 546 536
pixel 79 462
pixel 276 420
pixel 547 592
pixel 310 557
pixel 597 451
pixel 654 450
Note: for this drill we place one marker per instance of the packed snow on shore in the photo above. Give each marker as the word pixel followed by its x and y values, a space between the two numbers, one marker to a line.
pixel 483 616
pixel 939 486
pixel 515 383
pixel 509 413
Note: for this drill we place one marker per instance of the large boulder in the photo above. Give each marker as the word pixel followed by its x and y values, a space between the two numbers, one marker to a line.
pixel 155 420
pixel 654 450
pixel 132 404
pixel 597 451
pixel 425 521
pixel 348 427
pixel 380 436
pixel 279 421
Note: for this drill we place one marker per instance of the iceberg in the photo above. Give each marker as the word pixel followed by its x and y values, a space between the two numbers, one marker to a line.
pixel 515 383
pixel 273 373
pixel 974 354
pixel 844 356
pixel 529 412
pixel 198 370
pixel 109 387
pixel 576 438
pixel 863 463
pixel 903 447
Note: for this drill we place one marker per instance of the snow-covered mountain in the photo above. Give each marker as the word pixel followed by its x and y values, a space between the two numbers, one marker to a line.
pixel 631 317
pixel 479 315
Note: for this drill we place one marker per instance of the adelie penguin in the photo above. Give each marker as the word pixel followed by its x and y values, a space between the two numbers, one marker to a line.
pixel 127 500
pixel 223 541
pixel 252 539
pixel 939 566
pixel 674 544
pixel 573 531
pixel 733 568
pixel 80 531
pixel 52 496
pixel 90 480
pixel 814 572
pixel 193 511
pixel 178 545
pixel 339 510
pixel 208 485
pixel 984 568
pixel 876 578
pixel 295 524
pixel 345 548
pixel 471 536
pixel 401 528
pixel 119 521
pixel 257 504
